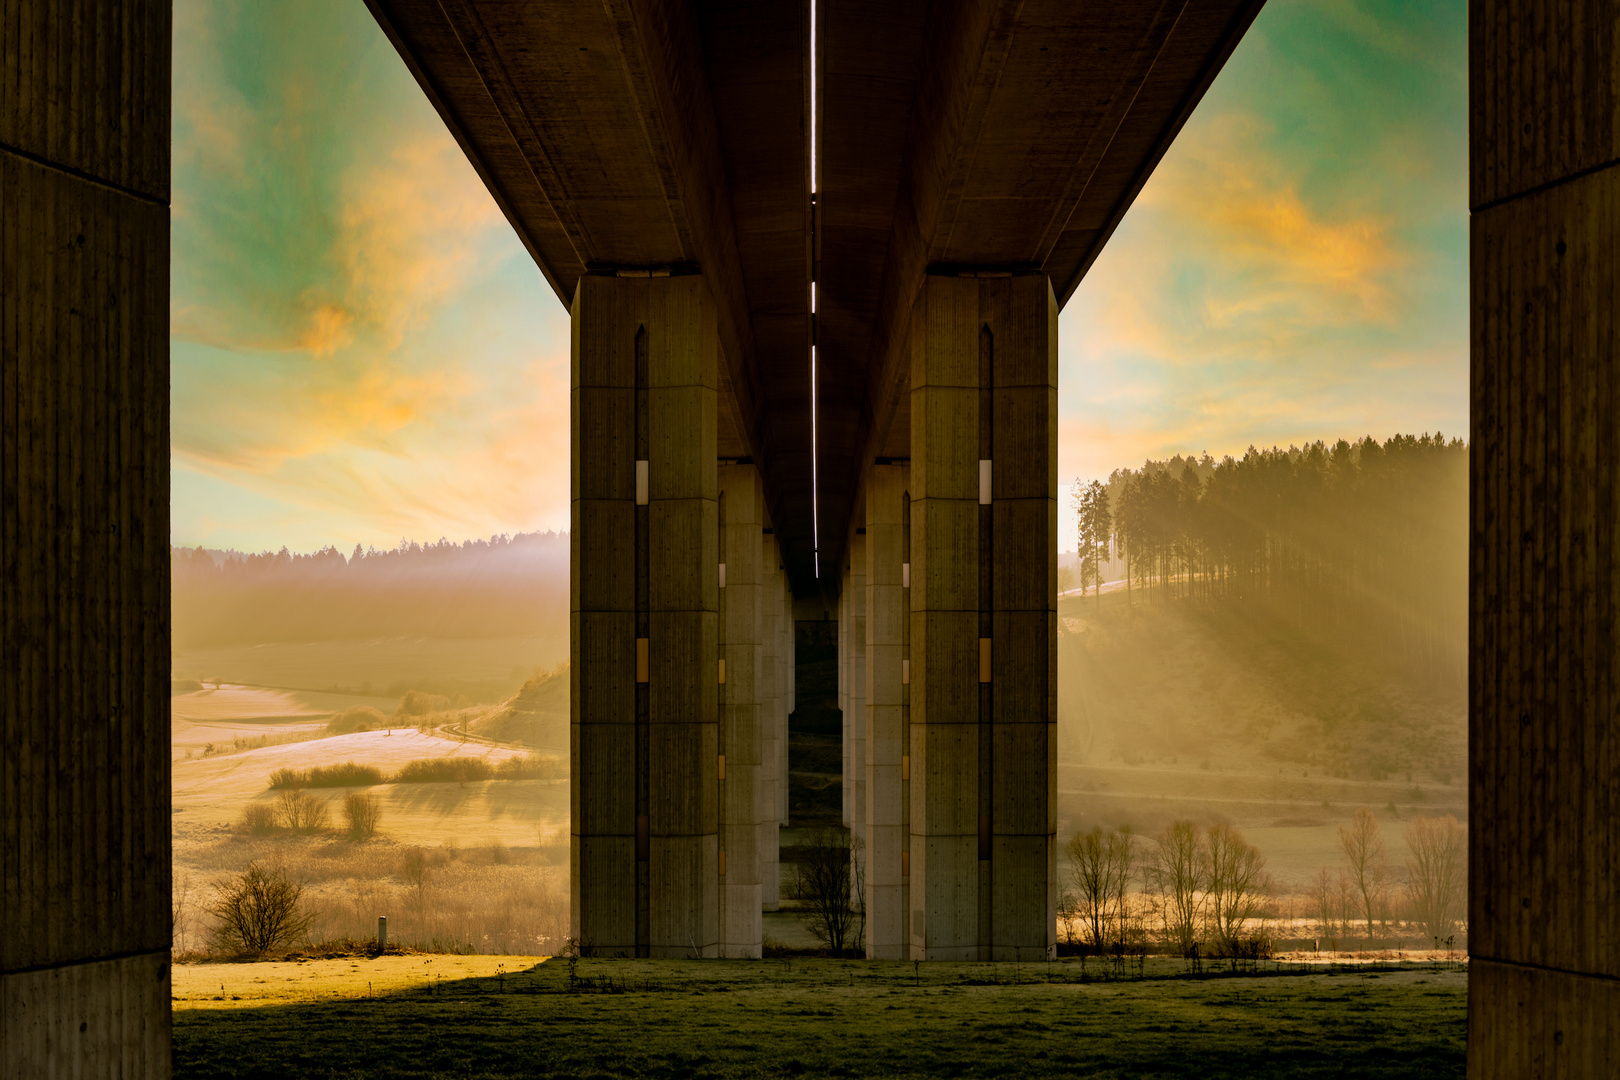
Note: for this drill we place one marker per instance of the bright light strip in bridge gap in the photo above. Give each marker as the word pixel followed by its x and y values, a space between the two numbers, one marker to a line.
pixel 815 477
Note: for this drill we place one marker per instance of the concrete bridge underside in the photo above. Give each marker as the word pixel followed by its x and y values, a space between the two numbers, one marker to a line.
pixel 970 161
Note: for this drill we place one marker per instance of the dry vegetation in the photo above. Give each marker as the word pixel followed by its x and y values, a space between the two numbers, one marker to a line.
pixel 463 847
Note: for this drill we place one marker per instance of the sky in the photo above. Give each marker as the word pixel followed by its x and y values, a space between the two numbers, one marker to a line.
pixel 363 352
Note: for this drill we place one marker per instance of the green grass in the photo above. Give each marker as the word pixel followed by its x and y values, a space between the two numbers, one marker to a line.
pixel 690 1019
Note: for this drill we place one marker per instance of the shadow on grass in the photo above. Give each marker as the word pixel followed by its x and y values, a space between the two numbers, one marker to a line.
pixel 722 1019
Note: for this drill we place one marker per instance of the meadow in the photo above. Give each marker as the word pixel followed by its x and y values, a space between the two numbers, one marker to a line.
pixel 498 1017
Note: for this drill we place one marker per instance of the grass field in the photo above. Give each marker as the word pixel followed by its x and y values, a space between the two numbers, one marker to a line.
pixel 724 1019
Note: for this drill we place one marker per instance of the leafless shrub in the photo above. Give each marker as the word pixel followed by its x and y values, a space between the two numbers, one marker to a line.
pixel 289 778
pixel 458 770
pixel 414 871
pixel 826 886
pixel 1237 883
pixel 362 813
pixel 1100 872
pixel 532 767
pixel 1363 845
pixel 301 813
pixel 258 819
pixel 258 911
pixel 1177 872
pixel 1436 873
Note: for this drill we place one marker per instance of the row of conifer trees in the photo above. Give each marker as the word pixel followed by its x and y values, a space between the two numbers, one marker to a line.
pixel 1353 538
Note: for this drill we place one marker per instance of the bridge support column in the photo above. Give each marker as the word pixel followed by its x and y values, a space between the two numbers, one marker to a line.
pixel 741 602
pixel 854 646
pixel 848 775
pixel 772 778
pixel 1544 745
pixel 84 535
pixel 983 618
pixel 644 641
pixel 784 665
pixel 887 858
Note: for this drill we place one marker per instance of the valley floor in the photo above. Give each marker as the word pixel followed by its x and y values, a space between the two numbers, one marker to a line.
pixel 510 1017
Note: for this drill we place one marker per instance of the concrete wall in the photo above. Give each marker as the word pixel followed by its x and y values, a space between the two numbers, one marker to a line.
pixel 644 631
pixel 84 532
pixel 1544 921
pixel 983 618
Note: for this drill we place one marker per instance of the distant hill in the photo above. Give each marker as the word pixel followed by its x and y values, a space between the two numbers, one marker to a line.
pixel 536 716
pixel 502 587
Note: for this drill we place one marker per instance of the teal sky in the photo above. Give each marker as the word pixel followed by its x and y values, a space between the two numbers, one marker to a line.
pixel 363 351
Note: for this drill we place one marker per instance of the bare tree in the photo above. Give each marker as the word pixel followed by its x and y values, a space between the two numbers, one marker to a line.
pixel 363 812
pixel 1363 845
pixel 301 812
pixel 1436 873
pixel 1100 871
pixel 258 910
pixel 1237 883
pixel 1178 869
pixel 1323 891
pixel 414 869
pixel 825 885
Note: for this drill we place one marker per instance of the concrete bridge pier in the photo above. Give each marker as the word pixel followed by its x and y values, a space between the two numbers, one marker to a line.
pixel 741 602
pixel 854 649
pixel 772 776
pixel 84 532
pixel 645 547
pixel 983 617
pixel 887 856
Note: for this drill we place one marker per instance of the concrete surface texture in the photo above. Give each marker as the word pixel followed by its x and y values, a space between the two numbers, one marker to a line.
pixel 645 547
pixel 84 516
pixel 1544 808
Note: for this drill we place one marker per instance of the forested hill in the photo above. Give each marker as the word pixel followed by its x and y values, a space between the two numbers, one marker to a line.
pixel 501 587
pixel 1363 540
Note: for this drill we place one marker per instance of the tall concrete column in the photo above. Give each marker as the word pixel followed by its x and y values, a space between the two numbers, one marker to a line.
pixel 1544 574
pixel 644 631
pixel 887 859
pixel 84 534
pixel 784 660
pixel 983 618
pixel 771 777
pixel 848 776
pixel 854 647
pixel 741 604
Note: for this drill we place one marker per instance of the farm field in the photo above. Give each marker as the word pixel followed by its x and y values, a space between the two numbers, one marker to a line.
pixel 674 1018
pixel 478 864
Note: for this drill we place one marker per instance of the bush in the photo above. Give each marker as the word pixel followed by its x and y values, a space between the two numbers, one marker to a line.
pixel 258 911
pixel 289 778
pixel 301 813
pixel 829 872
pixel 356 718
pixel 531 767
pixel 347 774
pixel 444 770
pixel 258 819
pixel 363 812
pixel 416 703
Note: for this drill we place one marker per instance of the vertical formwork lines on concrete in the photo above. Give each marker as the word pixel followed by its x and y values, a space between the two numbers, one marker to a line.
pixel 741 714
pixel 771 776
pixel 885 839
pixel 983 618
pixel 644 618
pixel 84 533
pixel 1544 572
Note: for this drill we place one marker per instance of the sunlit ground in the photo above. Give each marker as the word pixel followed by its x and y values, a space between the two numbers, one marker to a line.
pixel 498 1017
